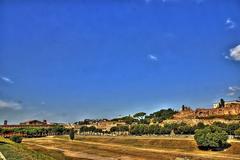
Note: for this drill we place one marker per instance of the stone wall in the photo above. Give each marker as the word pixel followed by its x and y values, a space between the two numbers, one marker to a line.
pixel 229 110
pixel 193 122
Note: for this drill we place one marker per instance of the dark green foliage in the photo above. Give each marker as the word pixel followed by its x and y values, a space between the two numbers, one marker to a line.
pixel 232 127
pixel 222 103
pixel 71 134
pixel 200 125
pixel 139 129
pixel 163 114
pixel 16 139
pixel 211 137
pixel 90 129
pixel 58 129
pixel 140 115
pixel 237 133
pixel 127 119
pixel 35 132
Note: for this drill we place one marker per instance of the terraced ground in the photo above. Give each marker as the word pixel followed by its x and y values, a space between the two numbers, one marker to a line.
pixel 127 148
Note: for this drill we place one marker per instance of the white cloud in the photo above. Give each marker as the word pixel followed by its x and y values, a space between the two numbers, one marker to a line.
pixel 230 23
pixel 235 53
pixel 226 57
pixel 233 90
pixel 8 80
pixel 231 94
pixel 10 105
pixel 152 57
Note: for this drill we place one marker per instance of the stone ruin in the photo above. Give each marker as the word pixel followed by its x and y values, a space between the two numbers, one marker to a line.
pixel 229 109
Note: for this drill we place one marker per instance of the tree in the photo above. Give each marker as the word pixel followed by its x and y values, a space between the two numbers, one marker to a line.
pixel 114 129
pixel 16 139
pixel 237 133
pixel 221 103
pixel 163 114
pixel 200 125
pixel 211 137
pixel 232 127
pixel 139 115
pixel 71 134
pixel 138 129
pixel 58 129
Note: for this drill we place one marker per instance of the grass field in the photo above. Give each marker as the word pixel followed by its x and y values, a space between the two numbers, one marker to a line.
pixel 13 151
pixel 127 148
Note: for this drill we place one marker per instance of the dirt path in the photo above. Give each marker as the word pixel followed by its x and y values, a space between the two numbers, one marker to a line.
pixel 78 154
pixel 75 154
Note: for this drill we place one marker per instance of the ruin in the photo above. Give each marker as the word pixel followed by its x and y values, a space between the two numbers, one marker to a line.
pixel 229 112
pixel 230 108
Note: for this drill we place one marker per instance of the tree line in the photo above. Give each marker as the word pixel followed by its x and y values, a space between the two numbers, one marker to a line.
pixel 155 129
pixel 34 132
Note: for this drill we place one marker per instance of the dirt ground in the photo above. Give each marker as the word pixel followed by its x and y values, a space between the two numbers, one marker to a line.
pixel 127 148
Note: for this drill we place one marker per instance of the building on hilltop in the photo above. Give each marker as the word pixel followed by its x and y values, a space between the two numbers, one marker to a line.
pixel 185 112
pixel 34 122
pixel 228 111
pixel 28 124
pixel 227 104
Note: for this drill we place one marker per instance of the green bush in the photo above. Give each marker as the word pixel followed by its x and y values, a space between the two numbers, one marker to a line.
pixel 237 133
pixel 16 139
pixel 72 134
pixel 211 137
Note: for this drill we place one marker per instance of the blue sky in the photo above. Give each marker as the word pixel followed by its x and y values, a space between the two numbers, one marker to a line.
pixel 65 61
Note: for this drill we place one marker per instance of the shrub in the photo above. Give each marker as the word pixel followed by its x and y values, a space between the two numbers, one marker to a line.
pixel 211 137
pixel 16 139
pixel 71 134
pixel 237 133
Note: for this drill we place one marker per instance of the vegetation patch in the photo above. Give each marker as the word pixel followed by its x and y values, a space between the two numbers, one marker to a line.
pixel 15 151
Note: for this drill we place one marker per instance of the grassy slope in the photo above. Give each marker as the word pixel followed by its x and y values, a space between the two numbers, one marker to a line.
pixel 13 151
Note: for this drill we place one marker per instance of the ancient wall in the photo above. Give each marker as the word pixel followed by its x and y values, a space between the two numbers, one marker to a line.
pixel 230 109
pixel 193 122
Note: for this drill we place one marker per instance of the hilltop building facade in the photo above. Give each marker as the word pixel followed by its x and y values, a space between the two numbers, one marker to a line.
pixel 28 124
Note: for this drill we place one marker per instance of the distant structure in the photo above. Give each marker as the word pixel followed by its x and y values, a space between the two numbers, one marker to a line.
pixel 28 124
pixel 34 122
pixel 224 111
pixel 227 104
pixel 230 108
pixel 103 124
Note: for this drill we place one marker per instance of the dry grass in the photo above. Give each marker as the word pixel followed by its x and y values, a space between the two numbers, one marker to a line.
pixel 127 148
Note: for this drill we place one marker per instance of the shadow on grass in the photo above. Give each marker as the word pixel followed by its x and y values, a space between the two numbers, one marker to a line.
pixel 228 145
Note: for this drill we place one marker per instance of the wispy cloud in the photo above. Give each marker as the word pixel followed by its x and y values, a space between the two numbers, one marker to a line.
pixel 8 80
pixel 230 23
pixel 233 90
pixel 152 57
pixel 227 57
pixel 234 53
pixel 10 105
